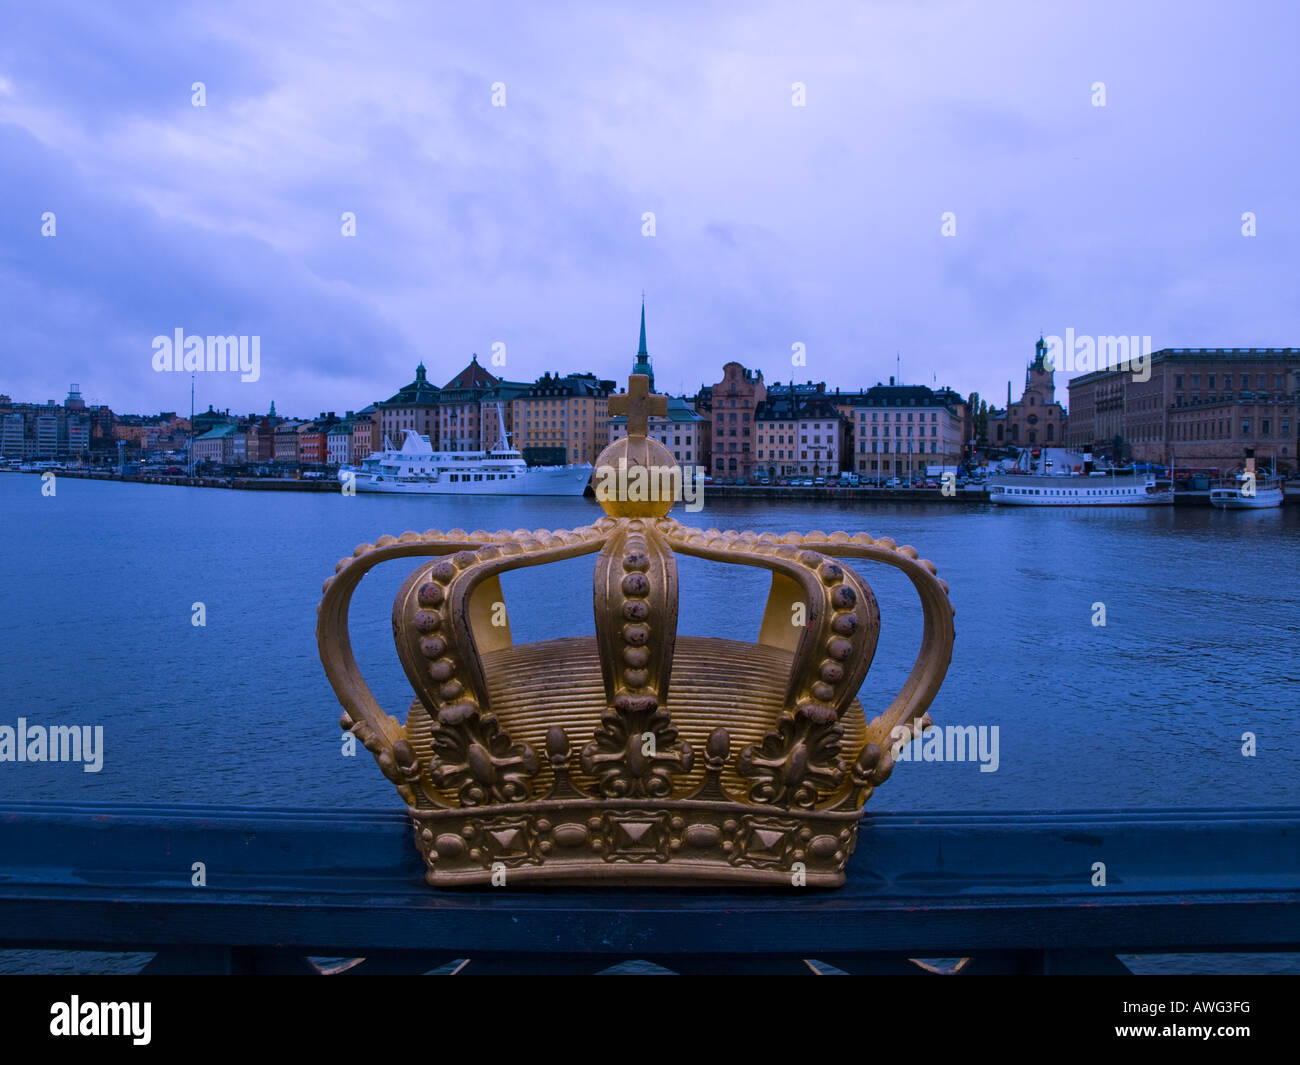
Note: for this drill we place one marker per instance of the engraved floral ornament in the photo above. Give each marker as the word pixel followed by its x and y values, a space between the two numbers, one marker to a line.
pixel 786 756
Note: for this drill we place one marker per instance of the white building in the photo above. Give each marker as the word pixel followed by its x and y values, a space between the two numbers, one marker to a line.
pixel 899 430
pixel 799 434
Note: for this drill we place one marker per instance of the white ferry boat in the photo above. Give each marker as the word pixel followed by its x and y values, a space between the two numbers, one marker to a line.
pixel 416 469
pixel 1090 490
pixel 1249 492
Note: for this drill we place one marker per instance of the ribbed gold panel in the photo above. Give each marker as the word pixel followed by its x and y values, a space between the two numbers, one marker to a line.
pixel 536 686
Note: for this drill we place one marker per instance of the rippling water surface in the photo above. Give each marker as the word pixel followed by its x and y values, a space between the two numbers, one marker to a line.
pixel 1201 642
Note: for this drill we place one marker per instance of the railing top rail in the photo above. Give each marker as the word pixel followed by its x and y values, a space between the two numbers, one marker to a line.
pixel 120 877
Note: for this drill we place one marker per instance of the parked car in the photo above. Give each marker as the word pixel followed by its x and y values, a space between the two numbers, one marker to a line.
pixel 894 482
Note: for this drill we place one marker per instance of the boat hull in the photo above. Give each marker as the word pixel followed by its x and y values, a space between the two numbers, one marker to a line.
pixel 1077 492
pixel 537 481
pixel 1234 499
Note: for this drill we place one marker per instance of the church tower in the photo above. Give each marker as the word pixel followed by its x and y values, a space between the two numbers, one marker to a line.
pixel 1039 376
pixel 642 364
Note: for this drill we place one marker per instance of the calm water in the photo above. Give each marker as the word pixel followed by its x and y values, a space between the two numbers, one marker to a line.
pixel 1202 640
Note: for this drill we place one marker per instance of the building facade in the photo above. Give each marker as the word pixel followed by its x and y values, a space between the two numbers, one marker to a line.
pixel 796 434
pixel 902 430
pixel 313 446
pixel 1037 419
pixel 734 401
pixel 562 420
pixel 261 436
pixel 338 442
pixel 414 406
pixel 222 445
pixel 365 433
pixel 286 442
pixel 460 409
pixel 50 430
pixel 1216 435
pixel 1198 407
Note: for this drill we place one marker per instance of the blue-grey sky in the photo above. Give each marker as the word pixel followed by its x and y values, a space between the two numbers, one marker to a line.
pixel 521 224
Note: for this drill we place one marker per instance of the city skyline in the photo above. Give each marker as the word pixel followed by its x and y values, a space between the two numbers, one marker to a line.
pixel 801 171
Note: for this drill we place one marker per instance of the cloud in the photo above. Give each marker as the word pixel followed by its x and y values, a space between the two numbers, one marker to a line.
pixel 775 224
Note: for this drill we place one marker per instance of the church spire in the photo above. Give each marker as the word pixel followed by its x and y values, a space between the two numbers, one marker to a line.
pixel 642 364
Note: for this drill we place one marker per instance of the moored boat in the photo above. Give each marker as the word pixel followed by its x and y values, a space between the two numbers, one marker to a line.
pixel 1093 490
pixel 417 469
pixel 1250 489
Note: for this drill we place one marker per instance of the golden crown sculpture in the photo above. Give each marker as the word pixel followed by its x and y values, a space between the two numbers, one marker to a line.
pixel 752 768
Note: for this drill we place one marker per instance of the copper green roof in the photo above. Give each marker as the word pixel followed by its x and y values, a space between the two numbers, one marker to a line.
pixel 419 393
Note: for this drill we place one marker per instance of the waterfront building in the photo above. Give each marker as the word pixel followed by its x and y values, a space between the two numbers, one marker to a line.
pixel 414 406
pixel 799 434
pixel 47 430
pixel 1169 416
pixel 702 404
pixel 312 444
pixel 681 430
pixel 210 419
pixel 261 436
pixel 1037 419
pixel 338 441
pixel 562 420
pixel 12 435
pixel 734 401
pixel 222 445
pixel 900 430
pixel 1217 435
pixel 365 432
pixel 460 408
pixel 286 442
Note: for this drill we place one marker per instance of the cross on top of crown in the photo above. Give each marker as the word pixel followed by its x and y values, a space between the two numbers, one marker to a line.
pixel 639 404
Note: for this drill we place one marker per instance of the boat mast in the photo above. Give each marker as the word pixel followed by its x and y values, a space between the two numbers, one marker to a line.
pixel 503 441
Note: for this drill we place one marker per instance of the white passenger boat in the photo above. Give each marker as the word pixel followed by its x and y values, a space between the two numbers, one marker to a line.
pixel 1092 490
pixel 1249 491
pixel 416 469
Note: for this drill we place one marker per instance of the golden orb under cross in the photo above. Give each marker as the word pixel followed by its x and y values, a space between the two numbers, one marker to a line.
pixel 636 476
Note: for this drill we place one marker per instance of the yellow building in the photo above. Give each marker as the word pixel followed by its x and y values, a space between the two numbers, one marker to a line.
pixel 562 420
